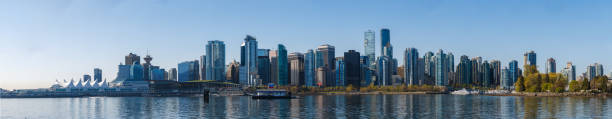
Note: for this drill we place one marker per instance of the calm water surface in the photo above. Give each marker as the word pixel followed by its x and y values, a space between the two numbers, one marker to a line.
pixel 316 106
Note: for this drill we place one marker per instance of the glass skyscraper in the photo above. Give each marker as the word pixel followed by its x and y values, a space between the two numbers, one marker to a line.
pixel 98 75
pixel 441 71
pixel 352 68
pixel 386 48
pixel 296 64
pixel 248 62
pixel 411 56
pixel 263 65
pixel 215 60
pixel 370 47
pixel 530 58
pixel 309 68
pixel 188 71
pixel 324 58
pixel 513 70
pixel 340 72
pixel 551 65
pixel 283 66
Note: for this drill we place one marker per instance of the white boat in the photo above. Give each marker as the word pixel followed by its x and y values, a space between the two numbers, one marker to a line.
pixel 461 92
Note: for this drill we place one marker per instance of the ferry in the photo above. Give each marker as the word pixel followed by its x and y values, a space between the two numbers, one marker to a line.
pixel 271 94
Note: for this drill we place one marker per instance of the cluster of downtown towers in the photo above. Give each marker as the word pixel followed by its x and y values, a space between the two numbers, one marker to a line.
pixel 321 67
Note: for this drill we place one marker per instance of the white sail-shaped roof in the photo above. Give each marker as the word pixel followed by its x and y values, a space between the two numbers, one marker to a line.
pixel 104 84
pixel 96 85
pixel 71 84
pixel 87 84
pixel 79 85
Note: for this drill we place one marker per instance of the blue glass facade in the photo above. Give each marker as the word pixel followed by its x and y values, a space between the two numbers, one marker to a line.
pixel 366 71
pixel 98 75
pixel 309 68
pixel 370 47
pixel 187 71
pixel 248 61
pixel 283 66
pixel 339 72
pixel 263 65
pixel 530 58
pixel 411 56
pixel 215 60
pixel 136 72
pixel 514 70
pixel 440 71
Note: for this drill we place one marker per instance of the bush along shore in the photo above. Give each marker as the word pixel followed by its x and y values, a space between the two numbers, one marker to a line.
pixel 533 83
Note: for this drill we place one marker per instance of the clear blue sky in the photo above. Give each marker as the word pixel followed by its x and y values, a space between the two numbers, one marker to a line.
pixel 44 40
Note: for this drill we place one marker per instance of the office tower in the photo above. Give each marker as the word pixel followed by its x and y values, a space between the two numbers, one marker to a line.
pixel 339 72
pixel 233 72
pixel 263 65
pixel 157 73
pixel 394 66
pixel 384 71
pixel 325 57
pixel 464 70
pixel 248 61
pixel 496 71
pixel 411 56
pixel 321 76
pixel 450 62
pixel 514 70
pixel 283 66
pixel 123 73
pixel 370 47
pixel 441 70
pixel 386 48
pixel 188 71
pixel 86 77
pixel 296 64
pixel 309 68
pixel 97 75
pixel 173 74
pixel 131 59
pixel 202 67
pixel 352 68
pixel 273 66
pixel 166 75
pixel 366 71
pixel 420 71
pixel 599 70
pixel 136 72
pixel 429 65
pixel 569 71
pixel 530 58
pixel 147 67
pixel 215 61
pixel 551 66
pixel 506 80
pixel 590 72
pixel 477 78
pixel 487 74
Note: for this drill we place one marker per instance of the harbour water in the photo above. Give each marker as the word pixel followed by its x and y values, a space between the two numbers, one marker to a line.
pixel 313 106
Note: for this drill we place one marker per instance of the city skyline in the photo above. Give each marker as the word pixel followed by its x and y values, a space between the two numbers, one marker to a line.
pixel 69 55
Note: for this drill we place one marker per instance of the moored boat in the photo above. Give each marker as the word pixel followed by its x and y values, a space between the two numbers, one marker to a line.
pixel 271 94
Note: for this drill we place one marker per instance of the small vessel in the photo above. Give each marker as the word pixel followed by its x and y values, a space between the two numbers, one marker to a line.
pixel 461 92
pixel 466 92
pixel 271 94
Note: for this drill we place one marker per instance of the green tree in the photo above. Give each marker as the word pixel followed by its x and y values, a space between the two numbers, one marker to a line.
pixel 574 86
pixel 560 84
pixel 585 84
pixel 532 83
pixel 520 84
